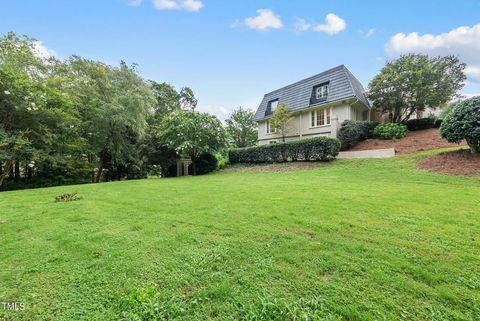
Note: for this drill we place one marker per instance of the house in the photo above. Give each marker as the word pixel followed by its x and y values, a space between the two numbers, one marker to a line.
pixel 319 105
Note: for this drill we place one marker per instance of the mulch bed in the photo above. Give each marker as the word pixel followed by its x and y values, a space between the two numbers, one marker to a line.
pixel 278 167
pixel 416 141
pixel 459 162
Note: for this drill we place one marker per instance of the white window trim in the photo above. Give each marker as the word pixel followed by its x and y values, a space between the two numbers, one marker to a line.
pixel 324 110
pixel 323 90
pixel 268 126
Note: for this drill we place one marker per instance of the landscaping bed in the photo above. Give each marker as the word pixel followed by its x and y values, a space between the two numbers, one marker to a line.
pixel 415 141
pixel 459 162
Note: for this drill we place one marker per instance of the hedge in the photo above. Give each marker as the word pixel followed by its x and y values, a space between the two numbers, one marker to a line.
pixel 352 132
pixel 420 123
pixel 310 149
pixel 206 163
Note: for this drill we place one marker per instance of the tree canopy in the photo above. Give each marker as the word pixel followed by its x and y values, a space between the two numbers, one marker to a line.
pixel 193 133
pixel 80 120
pixel 463 123
pixel 414 82
pixel 241 128
pixel 280 120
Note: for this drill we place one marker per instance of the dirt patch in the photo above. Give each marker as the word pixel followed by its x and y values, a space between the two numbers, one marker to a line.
pixel 416 141
pixel 281 167
pixel 296 230
pixel 460 162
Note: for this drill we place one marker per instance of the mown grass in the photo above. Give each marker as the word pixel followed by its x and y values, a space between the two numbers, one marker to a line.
pixel 354 240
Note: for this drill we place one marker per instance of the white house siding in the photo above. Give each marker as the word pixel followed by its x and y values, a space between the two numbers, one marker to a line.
pixel 300 125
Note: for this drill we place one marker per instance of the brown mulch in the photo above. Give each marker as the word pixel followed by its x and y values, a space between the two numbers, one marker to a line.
pixel 459 162
pixel 416 141
pixel 280 167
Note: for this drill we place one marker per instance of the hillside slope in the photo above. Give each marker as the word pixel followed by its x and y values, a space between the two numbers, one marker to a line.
pixel 368 239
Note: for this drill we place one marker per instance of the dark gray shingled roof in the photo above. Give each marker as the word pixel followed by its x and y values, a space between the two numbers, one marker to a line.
pixel 342 84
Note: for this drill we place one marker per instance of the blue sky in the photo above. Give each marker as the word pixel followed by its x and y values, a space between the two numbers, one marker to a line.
pixel 231 52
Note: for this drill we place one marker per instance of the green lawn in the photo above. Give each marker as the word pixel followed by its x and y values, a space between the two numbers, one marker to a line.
pixel 351 240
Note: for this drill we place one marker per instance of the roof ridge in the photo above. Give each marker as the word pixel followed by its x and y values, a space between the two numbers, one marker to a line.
pixel 306 79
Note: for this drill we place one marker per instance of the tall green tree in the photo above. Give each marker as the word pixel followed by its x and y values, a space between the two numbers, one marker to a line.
pixel 34 112
pixel 193 133
pixel 281 120
pixel 113 104
pixel 241 128
pixel 414 82
pixel 167 99
pixel 187 99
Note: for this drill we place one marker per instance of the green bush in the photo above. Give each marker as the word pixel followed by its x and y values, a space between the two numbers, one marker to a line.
pixel 222 161
pixel 390 131
pixel 420 123
pixel 437 123
pixel 352 132
pixel 310 149
pixel 463 122
pixel 206 163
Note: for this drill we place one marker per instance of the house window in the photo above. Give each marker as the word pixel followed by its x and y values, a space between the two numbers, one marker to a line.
pixel 322 91
pixel 270 128
pixel 272 142
pixel 320 117
pixel 273 105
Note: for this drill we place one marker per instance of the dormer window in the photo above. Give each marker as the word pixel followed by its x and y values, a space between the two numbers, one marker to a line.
pixel 321 91
pixel 273 105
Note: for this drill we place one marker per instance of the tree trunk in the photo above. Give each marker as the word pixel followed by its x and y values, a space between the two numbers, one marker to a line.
pixel 194 165
pixel 16 176
pixel 474 145
pixel 99 173
pixel 6 171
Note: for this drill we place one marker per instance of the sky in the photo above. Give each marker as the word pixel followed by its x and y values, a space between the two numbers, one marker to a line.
pixel 232 52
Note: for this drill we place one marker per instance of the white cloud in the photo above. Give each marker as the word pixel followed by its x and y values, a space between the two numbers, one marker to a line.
pixel 265 20
pixel 333 25
pixel 188 5
pixel 43 52
pixel 462 41
pixel 367 34
pixel 302 25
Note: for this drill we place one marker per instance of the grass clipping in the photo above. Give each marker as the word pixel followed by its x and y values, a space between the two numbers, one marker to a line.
pixel 68 197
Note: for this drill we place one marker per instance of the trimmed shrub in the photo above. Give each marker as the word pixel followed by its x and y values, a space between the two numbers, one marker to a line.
pixel 420 123
pixel 310 149
pixel 352 132
pixel 437 123
pixel 463 122
pixel 206 163
pixel 390 131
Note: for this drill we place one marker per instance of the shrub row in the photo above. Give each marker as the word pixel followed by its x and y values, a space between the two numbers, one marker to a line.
pixel 420 123
pixel 390 131
pixel 352 132
pixel 310 149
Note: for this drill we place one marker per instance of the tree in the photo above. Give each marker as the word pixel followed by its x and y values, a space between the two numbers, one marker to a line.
pixel 280 120
pixel 414 82
pixel 463 122
pixel 241 128
pixel 187 99
pixel 193 133
pixel 167 99
pixel 113 103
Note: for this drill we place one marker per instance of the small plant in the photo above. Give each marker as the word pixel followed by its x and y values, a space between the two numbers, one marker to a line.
pixel 68 197
pixel 390 131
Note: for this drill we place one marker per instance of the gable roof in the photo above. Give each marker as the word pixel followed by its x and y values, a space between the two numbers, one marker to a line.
pixel 342 85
